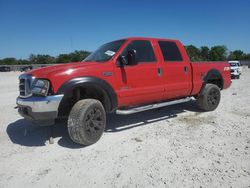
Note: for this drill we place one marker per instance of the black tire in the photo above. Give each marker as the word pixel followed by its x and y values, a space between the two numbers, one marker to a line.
pixel 209 97
pixel 86 122
pixel 238 77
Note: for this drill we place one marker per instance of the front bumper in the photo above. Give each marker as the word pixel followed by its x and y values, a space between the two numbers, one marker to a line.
pixel 235 73
pixel 39 108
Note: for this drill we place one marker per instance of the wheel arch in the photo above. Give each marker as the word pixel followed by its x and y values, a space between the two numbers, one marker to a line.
pixel 214 76
pixel 87 87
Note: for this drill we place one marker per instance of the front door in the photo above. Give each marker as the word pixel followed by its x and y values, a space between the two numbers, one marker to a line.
pixel 141 83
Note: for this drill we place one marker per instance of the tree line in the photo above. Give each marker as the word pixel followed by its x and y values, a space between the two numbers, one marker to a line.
pixel 46 59
pixel 215 53
pixel 204 53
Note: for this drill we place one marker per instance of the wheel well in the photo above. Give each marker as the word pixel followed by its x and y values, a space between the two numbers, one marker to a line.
pixel 79 93
pixel 216 81
pixel 214 77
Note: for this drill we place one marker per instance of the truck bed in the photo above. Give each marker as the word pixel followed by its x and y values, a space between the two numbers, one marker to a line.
pixel 200 70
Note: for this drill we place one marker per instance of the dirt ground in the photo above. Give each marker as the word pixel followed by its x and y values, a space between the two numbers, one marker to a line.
pixel 175 146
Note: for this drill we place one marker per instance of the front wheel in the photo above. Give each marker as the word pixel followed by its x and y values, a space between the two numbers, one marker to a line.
pixel 87 121
pixel 209 98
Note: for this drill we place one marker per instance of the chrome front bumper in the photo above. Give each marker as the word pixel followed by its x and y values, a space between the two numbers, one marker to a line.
pixel 39 108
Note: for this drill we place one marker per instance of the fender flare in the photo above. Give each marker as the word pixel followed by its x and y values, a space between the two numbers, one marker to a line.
pixel 86 81
pixel 213 74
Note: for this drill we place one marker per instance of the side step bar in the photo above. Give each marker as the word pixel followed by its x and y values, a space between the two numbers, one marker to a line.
pixel 151 106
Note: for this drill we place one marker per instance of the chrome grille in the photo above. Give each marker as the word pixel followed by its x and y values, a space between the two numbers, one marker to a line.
pixel 25 82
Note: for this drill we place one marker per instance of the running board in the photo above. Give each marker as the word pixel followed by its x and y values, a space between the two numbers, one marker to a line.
pixel 152 106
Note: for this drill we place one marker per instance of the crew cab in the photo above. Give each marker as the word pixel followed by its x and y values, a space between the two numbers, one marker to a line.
pixel 124 76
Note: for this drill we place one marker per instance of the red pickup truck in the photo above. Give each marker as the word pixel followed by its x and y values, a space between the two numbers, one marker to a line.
pixel 124 76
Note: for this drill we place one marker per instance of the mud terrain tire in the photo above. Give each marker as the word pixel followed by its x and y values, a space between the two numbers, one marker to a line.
pixel 209 98
pixel 86 122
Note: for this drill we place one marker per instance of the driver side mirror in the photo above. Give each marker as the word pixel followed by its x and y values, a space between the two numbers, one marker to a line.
pixel 129 59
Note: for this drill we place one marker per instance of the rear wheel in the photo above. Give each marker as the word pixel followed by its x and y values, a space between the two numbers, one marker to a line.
pixel 87 121
pixel 209 98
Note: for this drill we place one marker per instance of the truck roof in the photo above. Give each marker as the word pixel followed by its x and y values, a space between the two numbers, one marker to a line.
pixel 150 38
pixel 234 61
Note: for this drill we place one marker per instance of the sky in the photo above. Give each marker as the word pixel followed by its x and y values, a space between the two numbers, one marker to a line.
pixel 62 26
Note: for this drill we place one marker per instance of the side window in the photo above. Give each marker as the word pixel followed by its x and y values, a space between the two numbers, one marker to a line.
pixel 170 51
pixel 144 51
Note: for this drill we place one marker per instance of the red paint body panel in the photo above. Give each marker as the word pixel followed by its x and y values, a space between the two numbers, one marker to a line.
pixel 140 84
pixel 177 83
pixel 200 70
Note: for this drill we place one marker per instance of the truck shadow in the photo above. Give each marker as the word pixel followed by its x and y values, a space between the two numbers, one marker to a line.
pixel 117 123
pixel 24 133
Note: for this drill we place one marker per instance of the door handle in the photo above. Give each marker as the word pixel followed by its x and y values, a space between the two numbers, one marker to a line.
pixel 159 70
pixel 186 70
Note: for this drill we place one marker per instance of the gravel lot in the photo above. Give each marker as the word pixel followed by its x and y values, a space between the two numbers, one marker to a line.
pixel 175 146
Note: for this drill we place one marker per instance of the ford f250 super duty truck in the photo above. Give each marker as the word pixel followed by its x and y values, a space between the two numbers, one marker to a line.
pixel 124 76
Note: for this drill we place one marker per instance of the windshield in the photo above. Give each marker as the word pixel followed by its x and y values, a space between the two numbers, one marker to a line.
pixel 105 52
pixel 233 64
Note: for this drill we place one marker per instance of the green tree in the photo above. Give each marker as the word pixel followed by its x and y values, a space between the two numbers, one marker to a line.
pixel 246 57
pixel 204 53
pixel 72 57
pixel 236 55
pixel 218 53
pixel 23 62
pixel 193 52
pixel 41 59
pixel 63 58
pixel 9 61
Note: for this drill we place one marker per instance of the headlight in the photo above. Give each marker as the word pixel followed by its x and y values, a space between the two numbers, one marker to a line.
pixel 40 87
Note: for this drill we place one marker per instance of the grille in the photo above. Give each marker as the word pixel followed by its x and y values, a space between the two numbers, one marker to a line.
pixel 25 81
pixel 22 87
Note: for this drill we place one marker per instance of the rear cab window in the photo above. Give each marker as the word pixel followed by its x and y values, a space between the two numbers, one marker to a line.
pixel 170 51
pixel 144 51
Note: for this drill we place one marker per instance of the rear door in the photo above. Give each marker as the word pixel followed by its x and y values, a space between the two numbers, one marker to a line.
pixel 177 77
pixel 141 83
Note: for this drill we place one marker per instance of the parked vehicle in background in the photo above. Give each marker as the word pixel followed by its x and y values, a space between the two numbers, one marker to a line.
pixel 235 69
pixel 5 69
pixel 124 76
pixel 240 67
pixel 26 68
pixel 238 64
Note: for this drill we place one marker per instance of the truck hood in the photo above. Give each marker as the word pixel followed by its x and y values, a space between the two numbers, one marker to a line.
pixel 62 69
